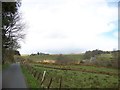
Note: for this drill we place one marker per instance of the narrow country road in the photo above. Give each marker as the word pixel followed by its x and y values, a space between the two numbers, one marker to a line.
pixel 13 77
pixel 0 79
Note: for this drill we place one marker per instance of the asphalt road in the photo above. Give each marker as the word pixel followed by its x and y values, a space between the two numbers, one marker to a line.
pixel 13 77
pixel 0 79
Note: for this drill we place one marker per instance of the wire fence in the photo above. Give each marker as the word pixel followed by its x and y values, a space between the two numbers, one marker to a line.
pixel 41 77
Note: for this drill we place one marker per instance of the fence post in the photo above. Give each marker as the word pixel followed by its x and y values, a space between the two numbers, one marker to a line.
pixel 38 76
pixel 43 78
pixel 35 74
pixel 49 83
pixel 29 68
pixel 32 71
pixel 60 83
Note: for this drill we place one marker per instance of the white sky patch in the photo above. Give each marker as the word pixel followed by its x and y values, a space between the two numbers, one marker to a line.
pixel 68 26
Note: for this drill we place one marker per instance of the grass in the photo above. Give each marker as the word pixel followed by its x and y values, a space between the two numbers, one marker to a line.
pixel 31 81
pixel 0 67
pixel 54 57
pixel 75 56
pixel 105 57
pixel 76 79
pixel 81 67
pixel 41 57
pixel 5 66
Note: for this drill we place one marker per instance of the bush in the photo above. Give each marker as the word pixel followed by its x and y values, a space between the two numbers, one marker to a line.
pixel 8 56
pixel 61 59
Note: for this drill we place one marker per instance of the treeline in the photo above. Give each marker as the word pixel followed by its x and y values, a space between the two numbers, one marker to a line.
pixel 89 54
pixel 12 30
pixel 38 53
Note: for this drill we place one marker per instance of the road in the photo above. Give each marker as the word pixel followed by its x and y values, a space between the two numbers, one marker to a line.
pixel 0 79
pixel 13 77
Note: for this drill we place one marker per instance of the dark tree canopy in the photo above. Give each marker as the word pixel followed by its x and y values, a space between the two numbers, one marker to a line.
pixel 89 54
pixel 12 27
pixel 16 53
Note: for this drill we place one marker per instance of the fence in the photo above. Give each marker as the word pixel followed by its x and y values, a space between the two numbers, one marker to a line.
pixel 41 76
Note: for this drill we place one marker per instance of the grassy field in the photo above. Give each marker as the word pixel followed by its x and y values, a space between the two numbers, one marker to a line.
pixel 77 79
pixel 78 57
pixel 104 57
pixel 53 57
pixel 81 67
pixel 76 76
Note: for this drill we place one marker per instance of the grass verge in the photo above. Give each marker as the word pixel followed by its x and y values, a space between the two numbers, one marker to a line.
pixel 4 66
pixel 31 81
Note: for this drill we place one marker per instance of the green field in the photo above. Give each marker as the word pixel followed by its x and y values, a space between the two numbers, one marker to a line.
pixel 75 75
pixel 81 67
pixel 54 57
pixel 77 79
pixel 105 57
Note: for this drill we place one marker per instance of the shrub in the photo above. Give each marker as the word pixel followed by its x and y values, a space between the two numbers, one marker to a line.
pixel 61 59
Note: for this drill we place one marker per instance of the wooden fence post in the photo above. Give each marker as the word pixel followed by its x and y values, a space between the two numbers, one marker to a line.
pixel 35 74
pixel 38 76
pixel 32 71
pixel 29 69
pixel 49 83
pixel 43 78
pixel 60 83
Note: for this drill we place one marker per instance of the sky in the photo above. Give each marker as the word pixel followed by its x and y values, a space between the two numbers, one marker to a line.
pixel 69 26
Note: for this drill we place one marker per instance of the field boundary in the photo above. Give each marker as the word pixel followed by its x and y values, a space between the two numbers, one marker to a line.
pixel 41 77
pixel 81 70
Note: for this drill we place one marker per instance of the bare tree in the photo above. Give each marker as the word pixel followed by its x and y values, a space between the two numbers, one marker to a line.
pixel 12 27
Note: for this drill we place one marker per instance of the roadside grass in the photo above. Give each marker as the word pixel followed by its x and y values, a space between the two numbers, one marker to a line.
pixel 31 81
pixel 0 67
pixel 5 66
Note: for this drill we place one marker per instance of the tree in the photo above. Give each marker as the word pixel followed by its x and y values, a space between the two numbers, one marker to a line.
pixel 16 52
pixel 12 28
pixel 116 54
pixel 89 54
pixel 62 59
pixel 38 53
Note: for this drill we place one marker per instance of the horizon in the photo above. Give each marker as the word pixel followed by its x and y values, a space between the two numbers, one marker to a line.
pixel 68 53
pixel 67 26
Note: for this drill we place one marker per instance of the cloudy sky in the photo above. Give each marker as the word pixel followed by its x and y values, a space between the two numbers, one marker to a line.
pixel 69 26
